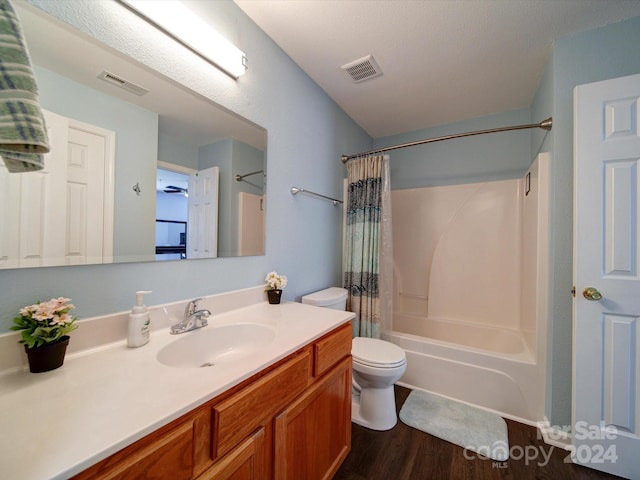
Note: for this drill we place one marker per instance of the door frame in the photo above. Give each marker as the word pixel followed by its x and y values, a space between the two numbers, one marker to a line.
pixel 606 337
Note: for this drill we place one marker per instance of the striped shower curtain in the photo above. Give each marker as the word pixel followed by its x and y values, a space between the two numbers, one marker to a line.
pixel 368 244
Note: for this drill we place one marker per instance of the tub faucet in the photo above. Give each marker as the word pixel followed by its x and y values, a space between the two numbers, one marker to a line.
pixel 193 318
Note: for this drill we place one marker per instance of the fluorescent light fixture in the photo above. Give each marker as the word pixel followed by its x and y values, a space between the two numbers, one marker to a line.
pixel 173 17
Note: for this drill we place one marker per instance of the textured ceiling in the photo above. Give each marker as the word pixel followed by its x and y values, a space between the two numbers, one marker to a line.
pixel 443 60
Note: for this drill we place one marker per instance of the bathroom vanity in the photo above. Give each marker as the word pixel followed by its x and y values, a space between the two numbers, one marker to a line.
pixel 283 411
pixel 290 421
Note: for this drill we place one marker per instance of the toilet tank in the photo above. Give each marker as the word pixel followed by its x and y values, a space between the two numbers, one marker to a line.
pixel 334 297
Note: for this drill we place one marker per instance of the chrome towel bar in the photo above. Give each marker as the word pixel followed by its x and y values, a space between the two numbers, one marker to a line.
pixel 296 190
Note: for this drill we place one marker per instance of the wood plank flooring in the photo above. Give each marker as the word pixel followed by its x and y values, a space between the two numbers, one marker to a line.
pixel 405 453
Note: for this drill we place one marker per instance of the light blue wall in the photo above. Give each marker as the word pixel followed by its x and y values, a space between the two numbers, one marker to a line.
pixel 136 154
pixel 541 108
pixel 175 151
pixel 307 133
pixel 497 156
pixel 591 56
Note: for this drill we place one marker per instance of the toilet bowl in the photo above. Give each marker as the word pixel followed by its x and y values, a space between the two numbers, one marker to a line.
pixel 377 365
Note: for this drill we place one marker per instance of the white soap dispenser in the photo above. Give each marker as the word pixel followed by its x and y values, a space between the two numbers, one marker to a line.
pixel 139 322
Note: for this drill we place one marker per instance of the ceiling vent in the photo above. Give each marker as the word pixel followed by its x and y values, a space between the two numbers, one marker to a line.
pixel 122 83
pixel 362 69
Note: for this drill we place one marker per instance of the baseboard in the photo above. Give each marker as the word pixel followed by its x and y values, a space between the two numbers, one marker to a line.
pixel 550 435
pixel 554 436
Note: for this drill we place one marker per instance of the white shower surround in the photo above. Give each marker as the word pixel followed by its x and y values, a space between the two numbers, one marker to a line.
pixel 470 297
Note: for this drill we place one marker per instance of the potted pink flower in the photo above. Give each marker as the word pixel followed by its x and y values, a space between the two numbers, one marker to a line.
pixel 44 328
pixel 275 284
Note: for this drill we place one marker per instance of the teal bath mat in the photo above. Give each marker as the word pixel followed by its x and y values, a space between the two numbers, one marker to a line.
pixel 469 427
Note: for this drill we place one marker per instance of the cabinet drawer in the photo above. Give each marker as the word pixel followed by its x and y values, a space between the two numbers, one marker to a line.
pixel 239 415
pixel 331 349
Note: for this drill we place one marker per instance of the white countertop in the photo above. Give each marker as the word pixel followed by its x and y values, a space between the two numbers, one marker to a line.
pixel 56 424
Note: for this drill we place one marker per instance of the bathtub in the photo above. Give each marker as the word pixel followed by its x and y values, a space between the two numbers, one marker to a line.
pixel 493 355
pixel 488 367
pixel 479 337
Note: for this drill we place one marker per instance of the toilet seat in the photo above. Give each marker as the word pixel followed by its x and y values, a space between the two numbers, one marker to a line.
pixel 377 353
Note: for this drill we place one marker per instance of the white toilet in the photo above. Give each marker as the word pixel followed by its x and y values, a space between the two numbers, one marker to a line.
pixel 377 365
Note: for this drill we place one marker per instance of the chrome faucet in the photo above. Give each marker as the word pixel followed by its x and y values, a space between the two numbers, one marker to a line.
pixel 193 318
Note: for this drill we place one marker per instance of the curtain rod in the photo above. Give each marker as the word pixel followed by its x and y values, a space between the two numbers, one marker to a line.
pixel 545 125
pixel 239 178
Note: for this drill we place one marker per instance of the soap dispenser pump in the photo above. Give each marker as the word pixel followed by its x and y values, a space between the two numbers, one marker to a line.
pixel 139 322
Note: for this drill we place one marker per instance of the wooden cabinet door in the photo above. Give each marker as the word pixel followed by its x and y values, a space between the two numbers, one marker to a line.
pixel 245 462
pixel 255 405
pixel 313 435
pixel 161 455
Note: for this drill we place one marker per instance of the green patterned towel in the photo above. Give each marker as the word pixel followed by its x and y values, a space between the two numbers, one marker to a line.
pixel 23 137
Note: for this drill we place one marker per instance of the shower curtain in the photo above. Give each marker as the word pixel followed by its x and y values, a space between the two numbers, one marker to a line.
pixel 368 255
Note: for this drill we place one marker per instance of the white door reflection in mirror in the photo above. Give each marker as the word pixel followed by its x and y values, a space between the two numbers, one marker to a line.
pixel 62 215
pixel 202 226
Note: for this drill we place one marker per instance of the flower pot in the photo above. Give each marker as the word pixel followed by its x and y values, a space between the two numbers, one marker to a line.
pixel 274 296
pixel 47 357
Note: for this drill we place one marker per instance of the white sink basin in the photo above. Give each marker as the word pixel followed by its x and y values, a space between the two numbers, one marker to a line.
pixel 210 346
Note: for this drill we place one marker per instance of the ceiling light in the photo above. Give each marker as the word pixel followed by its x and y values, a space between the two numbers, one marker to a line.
pixel 174 18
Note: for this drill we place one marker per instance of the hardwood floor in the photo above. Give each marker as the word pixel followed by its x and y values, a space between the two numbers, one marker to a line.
pixel 406 453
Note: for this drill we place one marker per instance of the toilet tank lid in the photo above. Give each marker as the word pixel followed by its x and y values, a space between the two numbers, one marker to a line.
pixel 328 296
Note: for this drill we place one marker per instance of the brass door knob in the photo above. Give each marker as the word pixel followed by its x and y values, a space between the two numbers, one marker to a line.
pixel 591 293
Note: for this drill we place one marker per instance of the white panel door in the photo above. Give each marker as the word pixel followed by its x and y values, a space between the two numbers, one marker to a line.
pixel 28 236
pixel 63 214
pixel 202 223
pixel 606 340
pixel 251 224
pixel 86 196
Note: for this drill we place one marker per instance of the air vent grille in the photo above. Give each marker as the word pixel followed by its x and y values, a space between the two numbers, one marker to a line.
pixel 118 81
pixel 362 69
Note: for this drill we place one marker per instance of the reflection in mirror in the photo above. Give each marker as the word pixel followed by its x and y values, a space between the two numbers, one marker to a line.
pixel 172 190
pixel 117 131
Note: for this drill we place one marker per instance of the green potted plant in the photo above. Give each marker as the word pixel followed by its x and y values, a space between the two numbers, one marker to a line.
pixel 275 284
pixel 44 328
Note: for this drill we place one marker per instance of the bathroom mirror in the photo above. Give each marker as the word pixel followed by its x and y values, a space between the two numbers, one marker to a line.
pixel 113 123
